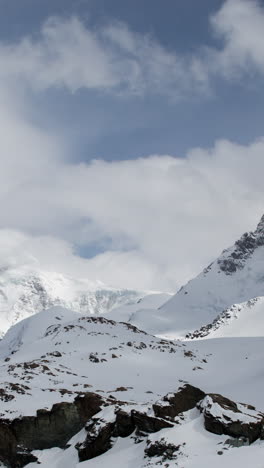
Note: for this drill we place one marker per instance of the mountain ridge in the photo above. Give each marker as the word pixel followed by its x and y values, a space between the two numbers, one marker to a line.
pixel 236 276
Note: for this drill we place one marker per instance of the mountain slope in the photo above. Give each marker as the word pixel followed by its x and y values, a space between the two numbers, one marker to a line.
pixel 57 360
pixel 23 292
pixel 239 320
pixel 235 277
pixel 58 353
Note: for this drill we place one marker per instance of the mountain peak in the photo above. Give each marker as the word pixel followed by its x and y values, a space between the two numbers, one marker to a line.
pixel 260 229
pixel 235 258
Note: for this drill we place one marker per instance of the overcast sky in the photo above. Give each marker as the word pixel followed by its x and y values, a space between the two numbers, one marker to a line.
pixel 132 140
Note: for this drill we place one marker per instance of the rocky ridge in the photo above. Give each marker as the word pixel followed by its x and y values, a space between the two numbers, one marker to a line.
pixel 106 420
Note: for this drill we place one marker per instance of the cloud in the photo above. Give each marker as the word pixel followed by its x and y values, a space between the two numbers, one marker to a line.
pixel 112 58
pixel 164 218
pixel 157 220
pixel 239 24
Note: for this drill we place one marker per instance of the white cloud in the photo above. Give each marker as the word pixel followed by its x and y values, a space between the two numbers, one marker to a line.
pixel 166 217
pixel 240 24
pixel 69 54
pixel 160 219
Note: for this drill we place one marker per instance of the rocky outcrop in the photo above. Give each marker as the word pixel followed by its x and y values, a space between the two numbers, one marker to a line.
pixel 118 423
pixel 223 319
pixel 148 424
pixel 243 249
pixel 223 416
pixel 107 419
pixel 45 430
pixel 173 404
pixel 98 439
pixel 161 448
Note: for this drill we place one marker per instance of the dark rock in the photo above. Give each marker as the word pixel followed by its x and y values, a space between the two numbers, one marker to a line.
pixel 100 432
pixel 240 442
pixel 124 425
pixel 161 448
pixel 224 416
pixel 173 404
pixel 98 440
pixel 148 424
pixel 93 358
pixel 242 250
pixel 45 430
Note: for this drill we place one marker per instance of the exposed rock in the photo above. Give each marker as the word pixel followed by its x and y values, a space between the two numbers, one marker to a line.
pixel 173 404
pixel 240 442
pixel 121 423
pixel 243 249
pixel 45 430
pixel 124 424
pixel 148 424
pixel 161 448
pixel 223 416
pixel 98 440
pixel 223 318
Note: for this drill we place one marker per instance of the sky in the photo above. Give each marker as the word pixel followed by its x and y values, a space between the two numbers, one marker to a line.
pixel 132 140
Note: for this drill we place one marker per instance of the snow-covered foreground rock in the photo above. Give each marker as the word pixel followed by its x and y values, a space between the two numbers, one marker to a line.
pixel 237 276
pixel 25 291
pixel 61 372
pixel 189 446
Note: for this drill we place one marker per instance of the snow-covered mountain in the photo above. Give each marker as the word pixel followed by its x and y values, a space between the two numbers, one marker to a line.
pixel 86 392
pixel 235 277
pixel 25 291
pixel 79 390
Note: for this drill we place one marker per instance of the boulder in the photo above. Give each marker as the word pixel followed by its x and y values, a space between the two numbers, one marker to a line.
pixel 224 416
pixel 173 404
pixel 124 425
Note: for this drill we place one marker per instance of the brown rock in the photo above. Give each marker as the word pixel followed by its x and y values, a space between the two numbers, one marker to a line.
pixel 173 404
pixel 224 416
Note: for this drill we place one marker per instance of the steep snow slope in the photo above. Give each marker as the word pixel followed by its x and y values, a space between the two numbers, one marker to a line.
pixel 24 292
pixel 235 277
pixel 239 320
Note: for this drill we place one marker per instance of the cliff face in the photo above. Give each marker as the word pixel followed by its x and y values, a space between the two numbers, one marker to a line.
pixel 18 437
